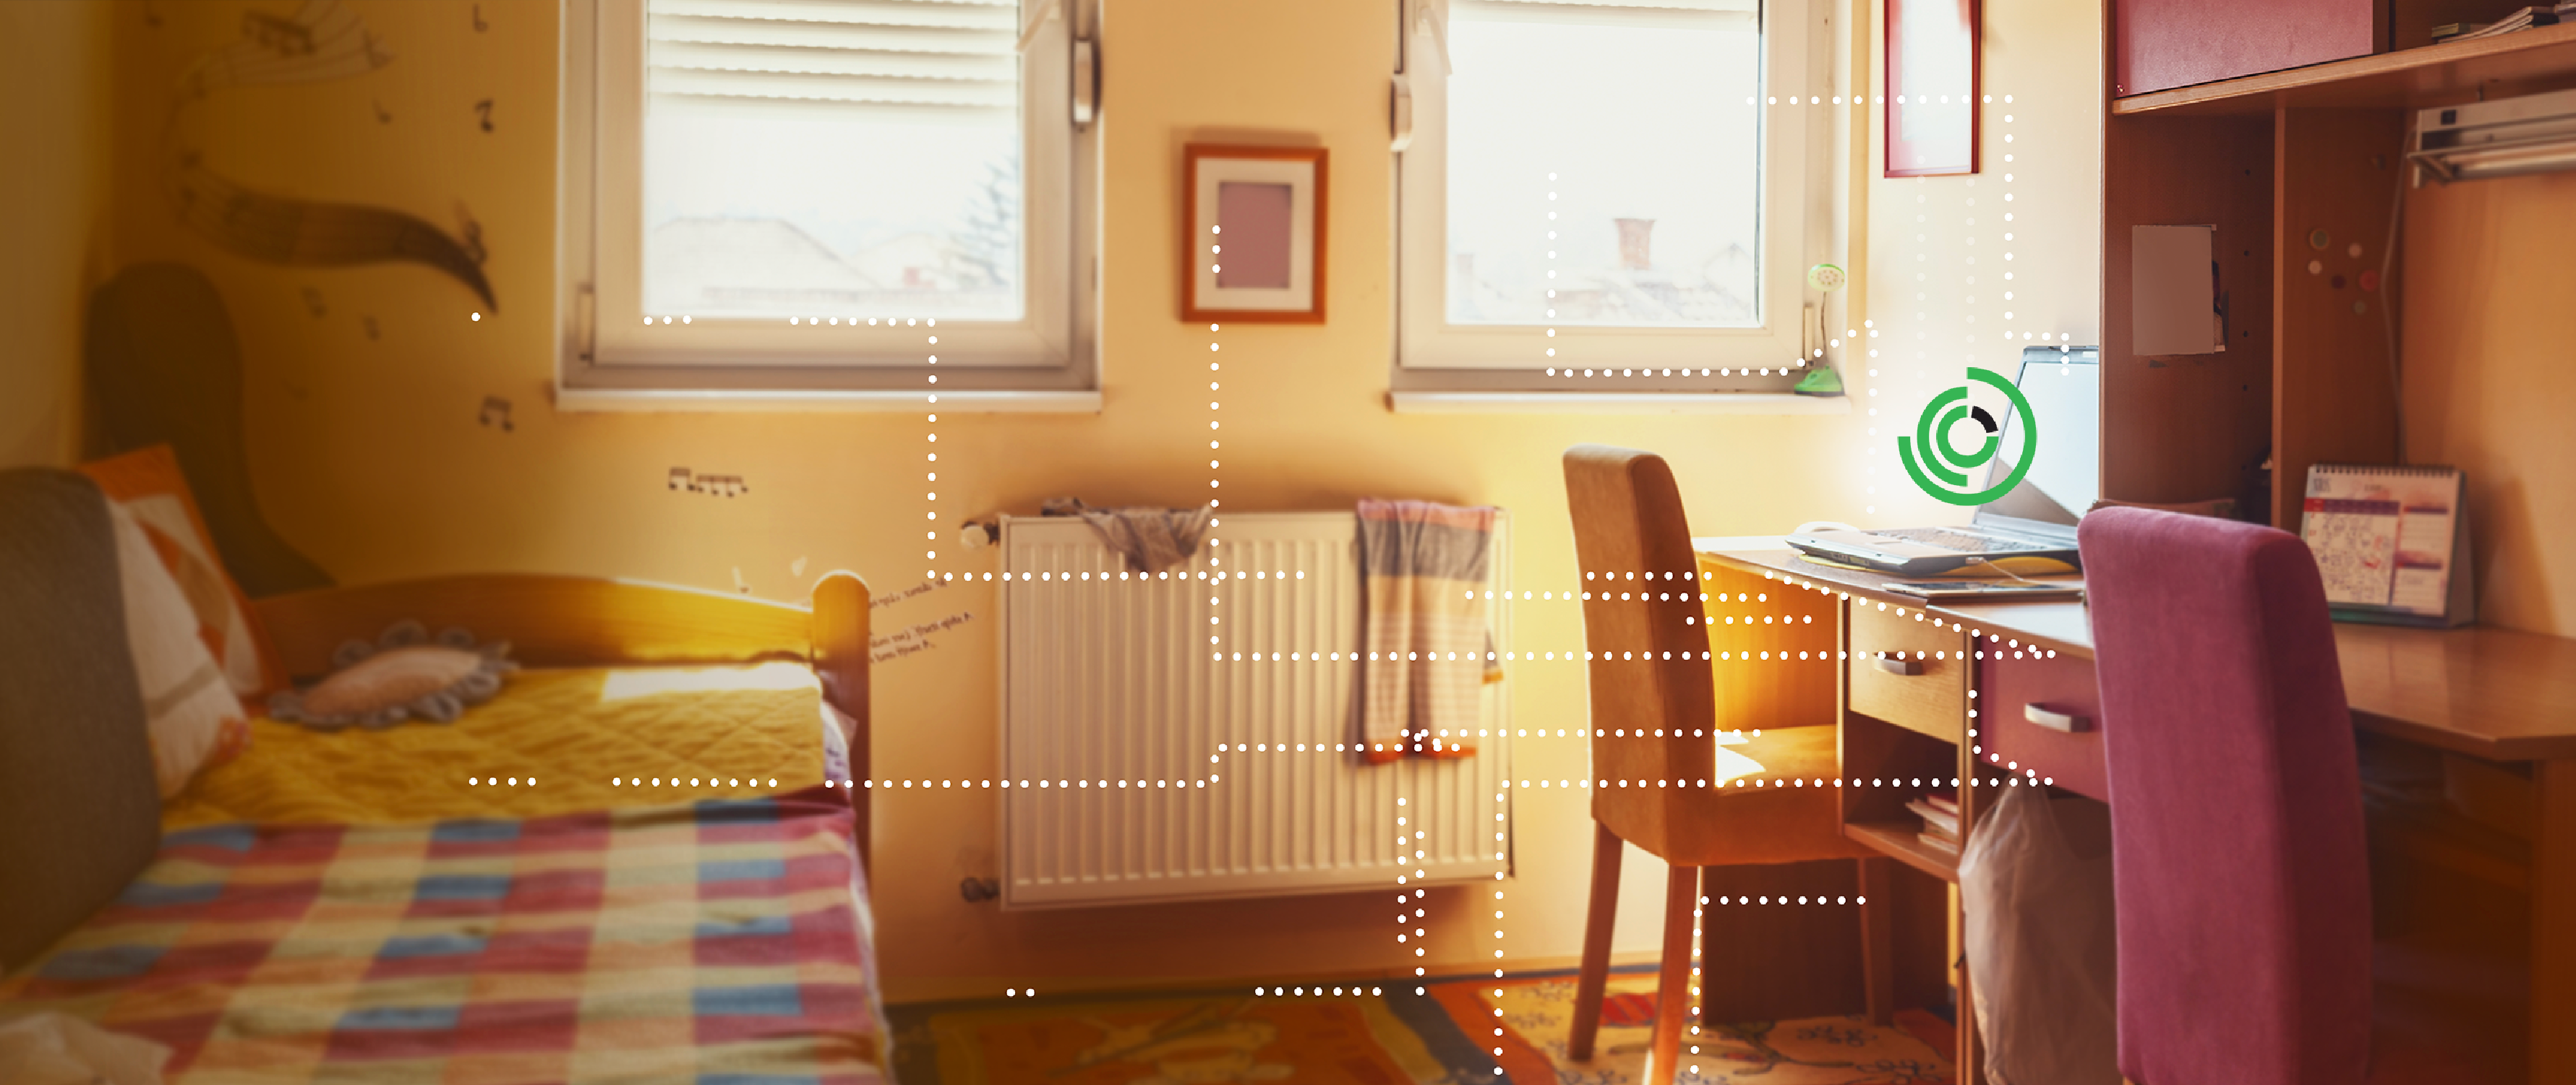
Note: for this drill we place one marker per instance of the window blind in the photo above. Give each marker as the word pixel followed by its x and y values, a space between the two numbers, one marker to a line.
pixel 937 57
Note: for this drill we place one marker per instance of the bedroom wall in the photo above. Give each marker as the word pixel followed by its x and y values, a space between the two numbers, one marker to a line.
pixel 53 122
pixel 363 398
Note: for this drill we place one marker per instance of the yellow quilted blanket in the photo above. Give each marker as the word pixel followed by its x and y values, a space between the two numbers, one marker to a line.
pixel 562 736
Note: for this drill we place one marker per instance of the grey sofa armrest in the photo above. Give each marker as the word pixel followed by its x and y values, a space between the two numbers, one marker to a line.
pixel 79 815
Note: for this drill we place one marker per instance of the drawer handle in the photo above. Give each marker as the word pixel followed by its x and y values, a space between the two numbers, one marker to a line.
pixel 1900 666
pixel 2056 721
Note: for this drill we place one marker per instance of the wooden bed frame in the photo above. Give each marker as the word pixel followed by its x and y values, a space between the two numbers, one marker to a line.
pixel 567 621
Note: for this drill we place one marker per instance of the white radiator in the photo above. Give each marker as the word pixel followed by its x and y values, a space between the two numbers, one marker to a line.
pixel 1115 682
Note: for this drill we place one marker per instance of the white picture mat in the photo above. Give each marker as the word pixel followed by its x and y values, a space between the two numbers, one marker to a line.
pixel 1299 175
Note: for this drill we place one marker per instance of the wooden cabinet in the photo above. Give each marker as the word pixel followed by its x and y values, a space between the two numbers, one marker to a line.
pixel 2161 44
pixel 2037 715
pixel 1907 671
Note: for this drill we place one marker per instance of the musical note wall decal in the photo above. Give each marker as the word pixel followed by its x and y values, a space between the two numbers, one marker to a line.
pixel 307 233
pixel 479 25
pixel 496 411
pixel 323 41
pixel 285 37
pixel 483 109
pixel 313 302
pixel 682 478
pixel 738 584
pixel 382 117
pixel 370 324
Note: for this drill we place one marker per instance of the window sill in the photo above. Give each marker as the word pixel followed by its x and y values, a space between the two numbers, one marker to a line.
pixel 1614 403
pixel 983 401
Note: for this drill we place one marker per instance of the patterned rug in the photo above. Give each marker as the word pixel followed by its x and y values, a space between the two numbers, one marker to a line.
pixel 1445 1035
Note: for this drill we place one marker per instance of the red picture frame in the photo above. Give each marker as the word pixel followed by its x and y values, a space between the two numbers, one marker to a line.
pixel 1206 296
pixel 1934 84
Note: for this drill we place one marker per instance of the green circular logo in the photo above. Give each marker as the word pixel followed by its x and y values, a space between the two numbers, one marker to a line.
pixel 1941 470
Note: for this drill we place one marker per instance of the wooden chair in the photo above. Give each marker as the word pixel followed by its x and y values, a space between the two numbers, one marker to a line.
pixel 1666 793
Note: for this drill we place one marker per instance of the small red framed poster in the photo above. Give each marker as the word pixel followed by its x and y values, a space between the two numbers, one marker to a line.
pixel 1252 234
pixel 1933 82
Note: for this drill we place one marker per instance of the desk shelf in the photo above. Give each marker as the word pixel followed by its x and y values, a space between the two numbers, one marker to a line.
pixel 1902 841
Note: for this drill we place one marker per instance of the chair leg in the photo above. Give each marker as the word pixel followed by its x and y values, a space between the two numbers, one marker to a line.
pixel 1597 918
pixel 1673 1008
pixel 1877 941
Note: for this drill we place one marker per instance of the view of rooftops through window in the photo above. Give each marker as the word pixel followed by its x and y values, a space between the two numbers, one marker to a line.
pixel 817 165
pixel 1604 167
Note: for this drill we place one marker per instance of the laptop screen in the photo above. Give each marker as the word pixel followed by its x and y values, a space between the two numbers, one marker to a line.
pixel 2064 388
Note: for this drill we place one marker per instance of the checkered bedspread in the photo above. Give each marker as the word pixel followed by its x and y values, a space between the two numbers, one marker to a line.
pixel 720 942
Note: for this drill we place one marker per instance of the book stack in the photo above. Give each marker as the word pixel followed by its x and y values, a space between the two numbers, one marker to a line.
pixel 2525 19
pixel 1940 814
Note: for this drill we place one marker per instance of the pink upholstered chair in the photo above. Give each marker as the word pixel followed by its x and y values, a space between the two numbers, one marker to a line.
pixel 2238 848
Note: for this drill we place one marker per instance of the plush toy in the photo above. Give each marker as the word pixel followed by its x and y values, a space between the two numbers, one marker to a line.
pixel 404 675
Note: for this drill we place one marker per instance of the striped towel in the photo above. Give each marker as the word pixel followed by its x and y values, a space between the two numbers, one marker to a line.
pixel 1429 644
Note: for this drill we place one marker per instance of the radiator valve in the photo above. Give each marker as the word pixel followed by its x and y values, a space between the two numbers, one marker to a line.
pixel 976 535
pixel 978 890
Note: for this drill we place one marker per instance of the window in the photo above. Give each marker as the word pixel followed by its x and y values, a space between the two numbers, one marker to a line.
pixel 851 200
pixel 1608 187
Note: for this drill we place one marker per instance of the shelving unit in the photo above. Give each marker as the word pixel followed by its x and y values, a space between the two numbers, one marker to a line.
pixel 2299 170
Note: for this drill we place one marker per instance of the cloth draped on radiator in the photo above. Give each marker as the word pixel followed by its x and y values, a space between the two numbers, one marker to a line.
pixel 1426 634
pixel 1151 540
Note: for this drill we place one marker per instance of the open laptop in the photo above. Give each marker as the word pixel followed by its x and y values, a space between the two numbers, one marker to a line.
pixel 2037 518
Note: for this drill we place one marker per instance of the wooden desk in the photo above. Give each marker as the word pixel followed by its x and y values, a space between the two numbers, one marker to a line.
pixel 2490 693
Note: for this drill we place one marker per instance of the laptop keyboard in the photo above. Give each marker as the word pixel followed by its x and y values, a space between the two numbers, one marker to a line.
pixel 1959 540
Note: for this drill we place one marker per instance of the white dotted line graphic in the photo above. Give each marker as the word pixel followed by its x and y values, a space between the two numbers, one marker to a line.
pixel 674 781
pixel 932 474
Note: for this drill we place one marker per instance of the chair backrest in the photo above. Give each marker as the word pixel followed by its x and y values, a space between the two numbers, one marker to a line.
pixel 79 814
pixel 2237 843
pixel 1640 623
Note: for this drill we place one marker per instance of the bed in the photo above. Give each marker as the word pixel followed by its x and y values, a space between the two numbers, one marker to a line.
pixel 642 861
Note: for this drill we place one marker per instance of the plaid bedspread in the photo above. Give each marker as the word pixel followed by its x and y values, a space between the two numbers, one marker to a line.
pixel 719 942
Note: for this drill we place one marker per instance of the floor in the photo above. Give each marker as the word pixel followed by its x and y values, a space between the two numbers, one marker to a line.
pixel 1440 1032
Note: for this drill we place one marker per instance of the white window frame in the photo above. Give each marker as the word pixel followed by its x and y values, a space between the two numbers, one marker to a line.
pixel 609 358
pixel 1444 367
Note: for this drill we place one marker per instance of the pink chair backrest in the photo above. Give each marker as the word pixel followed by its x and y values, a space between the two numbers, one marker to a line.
pixel 2238 850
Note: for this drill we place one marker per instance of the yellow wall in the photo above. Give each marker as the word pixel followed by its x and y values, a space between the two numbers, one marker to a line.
pixel 1937 245
pixel 53 120
pixel 369 458
pixel 2488 380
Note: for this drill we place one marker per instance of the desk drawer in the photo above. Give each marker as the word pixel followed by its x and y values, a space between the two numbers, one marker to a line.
pixel 2021 706
pixel 1925 691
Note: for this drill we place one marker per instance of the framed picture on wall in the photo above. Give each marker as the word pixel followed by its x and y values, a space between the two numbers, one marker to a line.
pixel 1932 87
pixel 1252 238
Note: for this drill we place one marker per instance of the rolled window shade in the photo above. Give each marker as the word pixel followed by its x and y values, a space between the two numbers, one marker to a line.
pixel 922 57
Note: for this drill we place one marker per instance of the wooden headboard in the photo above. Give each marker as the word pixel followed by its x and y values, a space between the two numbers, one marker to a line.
pixel 569 621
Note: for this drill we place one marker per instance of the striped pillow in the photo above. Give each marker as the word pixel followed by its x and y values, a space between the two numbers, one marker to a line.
pixel 192 716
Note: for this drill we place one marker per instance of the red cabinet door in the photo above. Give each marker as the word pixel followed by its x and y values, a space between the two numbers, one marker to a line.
pixel 2161 44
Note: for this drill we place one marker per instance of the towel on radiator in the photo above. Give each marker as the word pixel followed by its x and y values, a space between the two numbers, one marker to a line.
pixel 1428 643
pixel 1151 540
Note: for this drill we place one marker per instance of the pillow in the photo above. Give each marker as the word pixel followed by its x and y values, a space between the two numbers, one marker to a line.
pixel 403 675
pixel 191 717
pixel 147 484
